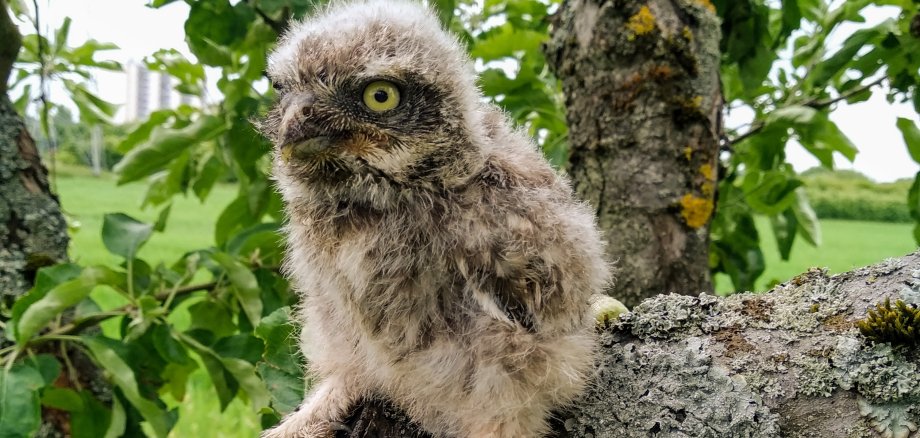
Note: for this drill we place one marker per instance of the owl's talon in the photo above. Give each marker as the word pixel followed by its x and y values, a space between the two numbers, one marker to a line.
pixel 606 309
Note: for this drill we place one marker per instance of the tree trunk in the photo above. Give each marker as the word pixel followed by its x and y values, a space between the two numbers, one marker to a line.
pixel 33 232
pixel 790 362
pixel 643 100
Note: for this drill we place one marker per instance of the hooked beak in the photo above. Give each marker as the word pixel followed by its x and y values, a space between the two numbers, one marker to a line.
pixel 299 137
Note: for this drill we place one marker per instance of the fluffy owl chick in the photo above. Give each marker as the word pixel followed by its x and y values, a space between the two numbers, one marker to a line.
pixel 442 263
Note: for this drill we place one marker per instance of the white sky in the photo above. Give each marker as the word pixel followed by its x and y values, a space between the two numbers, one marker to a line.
pixel 140 31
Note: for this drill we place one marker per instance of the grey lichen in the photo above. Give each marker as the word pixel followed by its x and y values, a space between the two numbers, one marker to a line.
pixel 33 232
pixel 890 420
pixel 646 389
pixel 787 363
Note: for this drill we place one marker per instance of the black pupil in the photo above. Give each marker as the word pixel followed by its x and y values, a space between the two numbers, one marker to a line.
pixel 381 96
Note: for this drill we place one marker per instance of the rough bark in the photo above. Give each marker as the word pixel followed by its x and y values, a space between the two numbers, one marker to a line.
pixel 643 100
pixel 33 232
pixel 786 363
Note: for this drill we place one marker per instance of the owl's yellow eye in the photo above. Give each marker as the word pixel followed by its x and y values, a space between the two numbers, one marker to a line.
pixel 381 96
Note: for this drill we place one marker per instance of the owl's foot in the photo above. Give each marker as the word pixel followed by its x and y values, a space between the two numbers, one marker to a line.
pixel 318 416
pixel 606 309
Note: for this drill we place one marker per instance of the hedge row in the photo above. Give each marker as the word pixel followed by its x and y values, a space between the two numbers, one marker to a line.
pixel 863 208
pixel 850 195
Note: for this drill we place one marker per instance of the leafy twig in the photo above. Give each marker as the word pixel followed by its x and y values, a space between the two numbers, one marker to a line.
pixel 814 103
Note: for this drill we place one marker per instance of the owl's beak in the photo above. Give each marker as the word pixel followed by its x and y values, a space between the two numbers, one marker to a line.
pixel 305 148
pixel 300 139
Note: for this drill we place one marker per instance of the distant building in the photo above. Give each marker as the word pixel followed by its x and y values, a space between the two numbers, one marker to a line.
pixel 149 91
pixel 138 103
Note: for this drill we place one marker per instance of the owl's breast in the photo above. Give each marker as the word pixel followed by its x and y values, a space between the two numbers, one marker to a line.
pixel 388 273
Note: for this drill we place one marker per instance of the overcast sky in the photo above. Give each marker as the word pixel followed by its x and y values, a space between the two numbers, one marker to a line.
pixel 140 31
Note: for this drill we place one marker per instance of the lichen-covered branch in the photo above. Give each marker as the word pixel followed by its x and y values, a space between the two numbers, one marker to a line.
pixel 643 105
pixel 791 363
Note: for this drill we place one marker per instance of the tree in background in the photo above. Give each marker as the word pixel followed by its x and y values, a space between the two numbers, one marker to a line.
pixel 639 79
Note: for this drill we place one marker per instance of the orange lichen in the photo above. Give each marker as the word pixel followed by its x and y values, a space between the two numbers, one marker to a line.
pixel 695 210
pixel 660 73
pixel 642 22
pixel 707 4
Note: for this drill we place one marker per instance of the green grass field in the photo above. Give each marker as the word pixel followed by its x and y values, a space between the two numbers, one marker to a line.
pixel 847 244
pixel 86 198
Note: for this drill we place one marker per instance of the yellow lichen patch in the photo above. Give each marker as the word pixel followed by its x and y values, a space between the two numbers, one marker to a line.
pixel 695 210
pixel 707 172
pixel 688 152
pixel 688 34
pixel 708 188
pixel 642 22
pixel 707 4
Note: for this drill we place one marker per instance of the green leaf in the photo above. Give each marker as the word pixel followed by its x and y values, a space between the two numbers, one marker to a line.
pixel 93 420
pixel 791 18
pixel 124 235
pixel 162 218
pixel 141 132
pixel 93 109
pixel 165 144
pixel 241 346
pixel 46 280
pixel 64 399
pixel 784 230
pixel 808 225
pixel 169 347
pixel 280 337
pixel 60 37
pixel 286 389
pixel 505 41
pixel 206 177
pixel 123 376
pixel 56 300
pixel 770 192
pixel 241 371
pixel 913 198
pixel 245 286
pixel 830 67
pixel 119 420
pixel 47 365
pixel 213 28
pixel 84 56
pixel 20 412
pixel 911 137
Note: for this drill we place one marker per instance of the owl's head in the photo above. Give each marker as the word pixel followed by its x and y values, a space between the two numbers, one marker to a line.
pixel 375 88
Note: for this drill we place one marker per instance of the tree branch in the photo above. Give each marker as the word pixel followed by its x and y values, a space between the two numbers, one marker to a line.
pixel 814 103
pixel 790 362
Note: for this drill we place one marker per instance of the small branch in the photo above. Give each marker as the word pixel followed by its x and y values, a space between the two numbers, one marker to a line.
pixel 814 103
pixel 78 326
pixel 279 26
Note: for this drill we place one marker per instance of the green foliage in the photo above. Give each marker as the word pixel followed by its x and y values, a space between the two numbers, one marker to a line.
pixel 224 309
pixel 791 89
